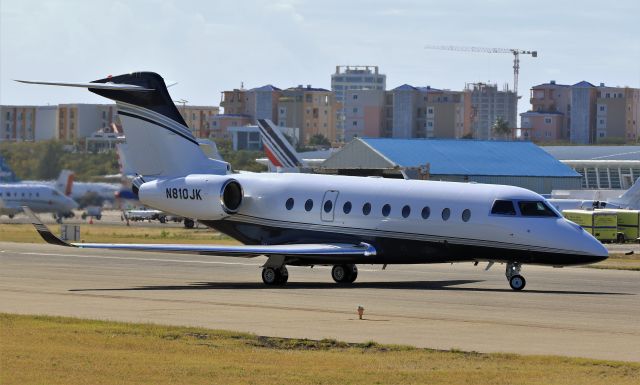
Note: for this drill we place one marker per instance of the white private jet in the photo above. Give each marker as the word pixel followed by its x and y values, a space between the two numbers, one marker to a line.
pixel 306 219
pixel 38 197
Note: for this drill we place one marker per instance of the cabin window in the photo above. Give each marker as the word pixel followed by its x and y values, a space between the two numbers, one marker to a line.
pixel 503 207
pixel 328 205
pixel 535 209
pixel 308 205
pixel 466 215
pixel 406 210
pixel 386 210
pixel 426 211
pixel 346 207
pixel 289 204
pixel 446 213
pixel 366 208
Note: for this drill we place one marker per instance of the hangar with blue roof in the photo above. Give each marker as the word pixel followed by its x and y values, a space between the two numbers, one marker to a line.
pixel 512 163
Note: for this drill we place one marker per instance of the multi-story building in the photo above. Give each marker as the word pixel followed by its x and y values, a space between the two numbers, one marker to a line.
pixel 363 112
pixel 351 78
pixel 78 121
pixel 199 118
pixel 262 102
pixel 448 113
pixel 582 113
pixel 312 110
pixel 243 107
pixel 220 124
pixel 18 123
pixel 617 111
pixel 487 105
pixel 425 112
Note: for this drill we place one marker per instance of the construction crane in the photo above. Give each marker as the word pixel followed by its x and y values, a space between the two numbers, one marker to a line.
pixel 516 56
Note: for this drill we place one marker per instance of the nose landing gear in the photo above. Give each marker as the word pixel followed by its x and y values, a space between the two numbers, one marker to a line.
pixel 516 281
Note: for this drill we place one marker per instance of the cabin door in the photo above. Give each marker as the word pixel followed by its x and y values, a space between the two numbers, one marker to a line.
pixel 328 205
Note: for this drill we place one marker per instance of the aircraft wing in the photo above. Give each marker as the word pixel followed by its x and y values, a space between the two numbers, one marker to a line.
pixel 248 251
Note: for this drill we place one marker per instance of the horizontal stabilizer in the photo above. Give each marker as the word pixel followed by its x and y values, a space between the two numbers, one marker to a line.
pixel 300 250
pixel 97 86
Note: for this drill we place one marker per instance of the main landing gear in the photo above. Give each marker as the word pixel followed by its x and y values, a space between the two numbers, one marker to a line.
pixel 516 281
pixel 275 275
pixel 344 273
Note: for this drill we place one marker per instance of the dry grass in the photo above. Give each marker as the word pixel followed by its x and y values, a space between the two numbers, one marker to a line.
pixel 53 350
pixel 119 234
pixel 619 262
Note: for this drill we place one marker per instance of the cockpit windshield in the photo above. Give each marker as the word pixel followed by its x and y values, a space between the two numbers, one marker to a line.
pixel 535 209
pixel 503 207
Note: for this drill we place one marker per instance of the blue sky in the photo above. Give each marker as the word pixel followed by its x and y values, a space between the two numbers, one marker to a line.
pixel 210 46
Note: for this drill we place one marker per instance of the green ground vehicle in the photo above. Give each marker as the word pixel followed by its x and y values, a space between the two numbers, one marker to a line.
pixel 628 224
pixel 600 223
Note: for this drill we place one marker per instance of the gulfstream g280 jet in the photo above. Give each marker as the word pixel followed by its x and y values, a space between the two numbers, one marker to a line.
pixel 306 220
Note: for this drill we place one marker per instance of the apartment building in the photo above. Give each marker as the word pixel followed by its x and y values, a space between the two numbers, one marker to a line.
pixel 199 118
pixel 18 123
pixel 617 111
pixel 78 121
pixel 312 110
pixel 487 105
pixel 363 112
pixel 351 78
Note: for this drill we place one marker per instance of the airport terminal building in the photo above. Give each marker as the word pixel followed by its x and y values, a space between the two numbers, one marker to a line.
pixel 520 164
pixel 601 167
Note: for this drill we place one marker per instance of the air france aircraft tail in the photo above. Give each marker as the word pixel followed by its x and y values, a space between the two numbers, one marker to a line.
pixel 152 122
pixel 278 149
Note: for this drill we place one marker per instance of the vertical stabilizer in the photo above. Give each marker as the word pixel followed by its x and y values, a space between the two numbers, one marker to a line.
pixel 630 199
pixel 278 149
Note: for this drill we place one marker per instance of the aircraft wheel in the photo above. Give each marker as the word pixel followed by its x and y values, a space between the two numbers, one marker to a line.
pixel 189 223
pixel 344 273
pixel 271 276
pixel 517 282
pixel 11 216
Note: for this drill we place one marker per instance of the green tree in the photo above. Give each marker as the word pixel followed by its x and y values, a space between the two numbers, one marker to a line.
pixel 501 128
pixel 319 140
pixel 49 165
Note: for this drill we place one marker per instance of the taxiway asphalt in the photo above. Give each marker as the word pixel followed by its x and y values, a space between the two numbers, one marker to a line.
pixel 570 311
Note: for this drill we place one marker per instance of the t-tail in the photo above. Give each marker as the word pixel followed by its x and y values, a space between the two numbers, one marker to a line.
pixel 64 183
pixel 159 142
pixel 278 149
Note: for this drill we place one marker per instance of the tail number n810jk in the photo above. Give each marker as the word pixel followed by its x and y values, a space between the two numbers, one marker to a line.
pixel 183 193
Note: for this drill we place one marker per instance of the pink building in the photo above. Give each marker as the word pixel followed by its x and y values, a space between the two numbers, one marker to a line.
pixel 220 124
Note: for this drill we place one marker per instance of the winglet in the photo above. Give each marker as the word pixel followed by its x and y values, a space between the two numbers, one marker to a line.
pixel 43 230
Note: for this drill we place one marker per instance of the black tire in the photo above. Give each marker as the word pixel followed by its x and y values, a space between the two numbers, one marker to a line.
pixel 189 223
pixel 162 219
pixel 353 273
pixel 517 282
pixel 269 276
pixel 11 216
pixel 283 275
pixel 620 238
pixel 99 217
pixel 344 273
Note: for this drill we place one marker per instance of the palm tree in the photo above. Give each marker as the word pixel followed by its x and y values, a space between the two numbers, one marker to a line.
pixel 501 128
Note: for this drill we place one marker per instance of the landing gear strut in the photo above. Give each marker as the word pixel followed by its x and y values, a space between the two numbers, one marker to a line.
pixel 516 281
pixel 344 273
pixel 275 276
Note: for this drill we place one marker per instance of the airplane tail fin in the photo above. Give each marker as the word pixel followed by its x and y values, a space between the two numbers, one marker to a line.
pixel 64 183
pixel 631 198
pixel 278 149
pixel 159 142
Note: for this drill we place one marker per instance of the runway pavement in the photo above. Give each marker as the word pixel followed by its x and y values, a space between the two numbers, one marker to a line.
pixel 570 311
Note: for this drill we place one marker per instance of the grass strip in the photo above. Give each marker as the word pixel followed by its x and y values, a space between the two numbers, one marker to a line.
pixel 57 350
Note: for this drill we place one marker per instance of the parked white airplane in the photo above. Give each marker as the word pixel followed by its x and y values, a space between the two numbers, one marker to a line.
pixel 38 197
pixel 306 219
pixel 629 200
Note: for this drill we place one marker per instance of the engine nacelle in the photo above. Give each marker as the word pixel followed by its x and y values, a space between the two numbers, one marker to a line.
pixel 208 197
